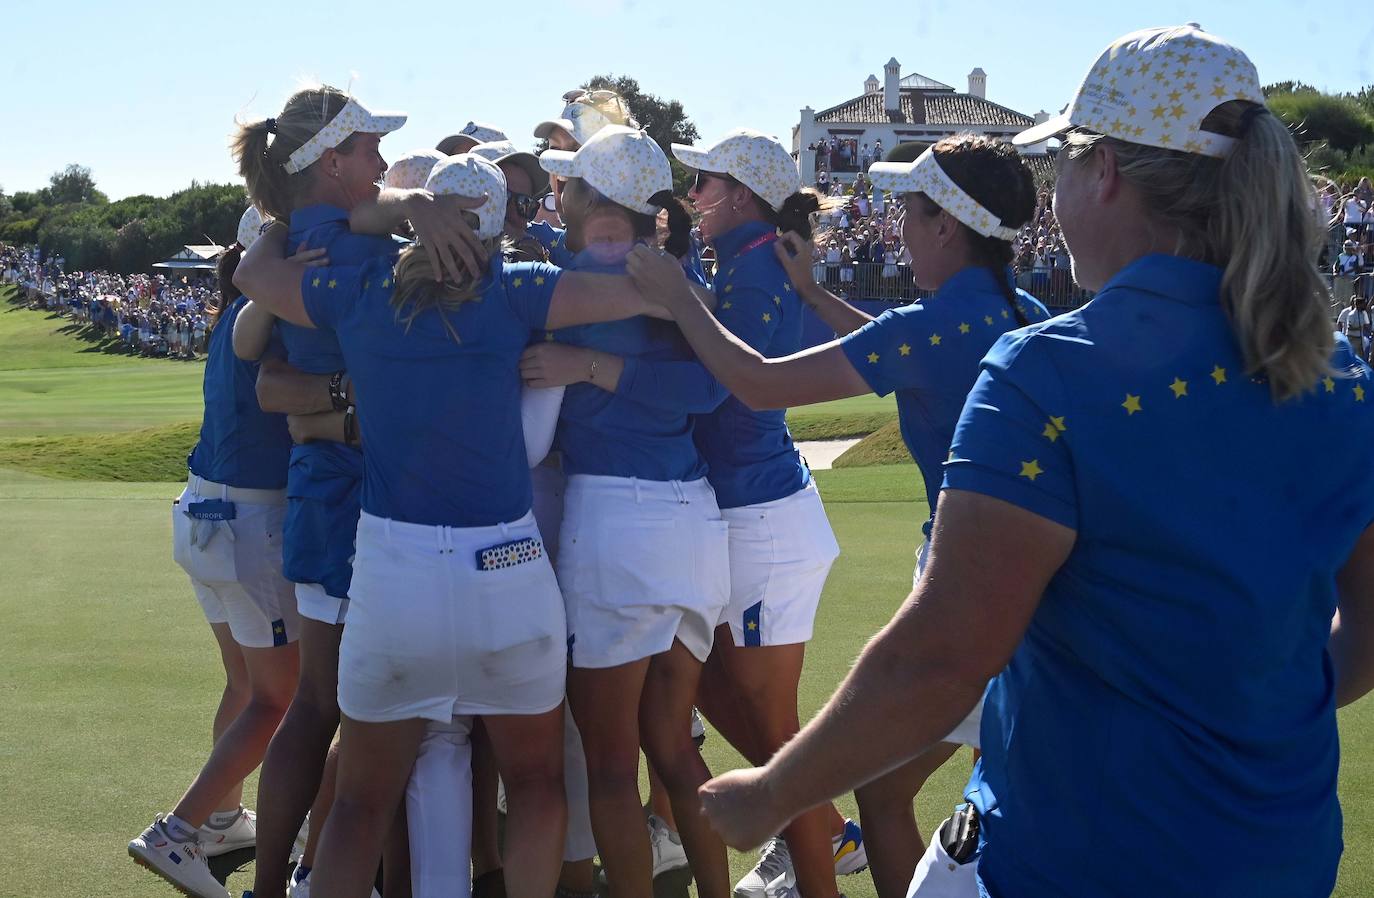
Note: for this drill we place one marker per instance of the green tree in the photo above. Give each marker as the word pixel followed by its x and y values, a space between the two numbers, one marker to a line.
pixel 1313 116
pixel 664 120
pixel 74 184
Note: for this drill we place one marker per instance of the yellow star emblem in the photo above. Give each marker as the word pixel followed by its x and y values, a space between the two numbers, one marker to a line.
pixel 333 282
pixel 777 300
pixel 1131 405
pixel 1050 433
pixel 872 358
pixel 988 319
pixel 1006 314
pixel 1180 388
pixel 517 282
pixel 752 625
pixel 539 281
pixel 315 282
pixel 727 305
pixel 386 283
pixel 367 285
pixel 1219 375
pixel 1158 111
pixel 1058 423
pixel 1031 469
pixel 934 339
pixel 1329 384
pixel 767 317
pixel 1359 393
pixel 787 288
pixel 904 349
pixel 964 328
pixel 729 287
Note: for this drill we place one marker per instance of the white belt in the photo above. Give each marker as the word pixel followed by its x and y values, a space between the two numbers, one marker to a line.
pixel 202 487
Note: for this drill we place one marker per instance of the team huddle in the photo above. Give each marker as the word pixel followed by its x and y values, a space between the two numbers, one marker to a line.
pixel 494 492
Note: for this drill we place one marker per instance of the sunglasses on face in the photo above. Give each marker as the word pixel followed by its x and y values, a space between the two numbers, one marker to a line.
pixel 702 177
pixel 526 205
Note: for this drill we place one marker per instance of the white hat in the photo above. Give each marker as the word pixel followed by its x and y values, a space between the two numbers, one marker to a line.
pixel 924 175
pixel 412 169
pixel 483 132
pixel 499 151
pixel 587 112
pixel 250 226
pixel 353 118
pixel 624 165
pixel 473 176
pixel 756 160
pixel 1155 87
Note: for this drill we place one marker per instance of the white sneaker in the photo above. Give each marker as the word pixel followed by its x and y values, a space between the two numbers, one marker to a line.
pixel 775 863
pixel 785 886
pixel 300 888
pixel 242 833
pixel 302 836
pixel 850 854
pixel 667 846
pixel 180 863
pixel 698 729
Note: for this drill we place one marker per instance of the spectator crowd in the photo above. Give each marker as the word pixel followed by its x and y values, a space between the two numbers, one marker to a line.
pixel 150 315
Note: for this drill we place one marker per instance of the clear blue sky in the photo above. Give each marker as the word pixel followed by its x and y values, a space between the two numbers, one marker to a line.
pixel 146 93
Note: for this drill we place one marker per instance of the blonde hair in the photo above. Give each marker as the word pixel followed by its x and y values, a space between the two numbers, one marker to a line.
pixel 417 291
pixel 261 162
pixel 1253 215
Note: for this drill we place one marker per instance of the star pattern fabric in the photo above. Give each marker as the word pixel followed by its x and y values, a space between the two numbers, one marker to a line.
pixel 472 176
pixel 750 453
pixel 1155 87
pixel 1209 530
pixel 353 118
pixel 755 159
pixel 924 175
pixel 624 165
pixel 411 171
pixel 928 354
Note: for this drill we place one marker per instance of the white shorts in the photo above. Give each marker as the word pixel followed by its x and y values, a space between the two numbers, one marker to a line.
pixel 780 555
pixel 966 733
pixel 236 572
pixel 431 636
pixel 641 563
pixel 549 483
pixel 939 876
pixel 313 602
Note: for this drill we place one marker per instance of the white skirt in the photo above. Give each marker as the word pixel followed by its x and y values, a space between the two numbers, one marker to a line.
pixel 430 635
pixel 780 555
pixel 641 563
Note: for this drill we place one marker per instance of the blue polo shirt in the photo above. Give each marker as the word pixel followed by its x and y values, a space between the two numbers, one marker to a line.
pixel 1167 725
pixel 644 428
pixel 928 354
pixel 749 454
pixel 554 241
pixel 441 413
pixel 240 444
pixel 325 476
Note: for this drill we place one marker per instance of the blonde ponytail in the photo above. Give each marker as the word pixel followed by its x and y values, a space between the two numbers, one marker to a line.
pixel 261 157
pixel 1254 215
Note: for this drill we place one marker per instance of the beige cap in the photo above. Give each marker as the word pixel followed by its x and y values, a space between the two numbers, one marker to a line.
pixel 472 176
pixel 353 118
pixel 624 165
pixel 1155 87
pixel 756 160
pixel 412 169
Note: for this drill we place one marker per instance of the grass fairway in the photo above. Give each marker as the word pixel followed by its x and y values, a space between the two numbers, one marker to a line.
pixel 109 676
pixel 54 382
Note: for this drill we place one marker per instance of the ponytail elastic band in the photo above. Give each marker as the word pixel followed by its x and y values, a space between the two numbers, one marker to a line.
pixel 271 126
pixel 1247 118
